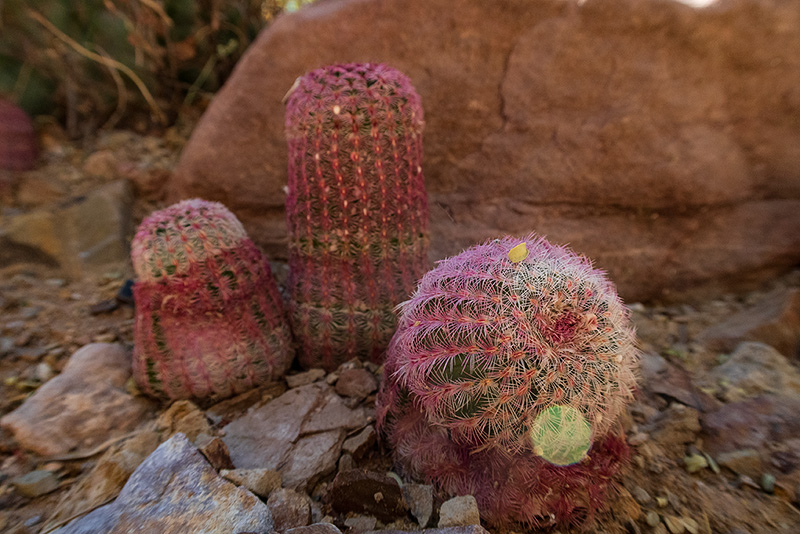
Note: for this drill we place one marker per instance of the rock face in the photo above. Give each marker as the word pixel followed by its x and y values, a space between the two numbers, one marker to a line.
pixel 648 135
pixel 176 490
pixel 299 434
pixel 82 407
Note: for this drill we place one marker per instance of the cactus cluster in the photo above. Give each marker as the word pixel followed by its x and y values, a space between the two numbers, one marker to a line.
pixel 513 351
pixel 210 321
pixel 356 209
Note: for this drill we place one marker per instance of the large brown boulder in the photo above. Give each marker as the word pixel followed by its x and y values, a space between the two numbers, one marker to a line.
pixel 661 140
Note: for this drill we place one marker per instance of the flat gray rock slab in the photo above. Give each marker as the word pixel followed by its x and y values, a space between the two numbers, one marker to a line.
pixel 82 407
pixel 299 434
pixel 173 491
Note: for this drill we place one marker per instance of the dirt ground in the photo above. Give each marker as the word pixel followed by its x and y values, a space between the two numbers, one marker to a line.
pixel 45 317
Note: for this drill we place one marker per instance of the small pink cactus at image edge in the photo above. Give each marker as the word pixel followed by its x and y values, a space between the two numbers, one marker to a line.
pixel 209 318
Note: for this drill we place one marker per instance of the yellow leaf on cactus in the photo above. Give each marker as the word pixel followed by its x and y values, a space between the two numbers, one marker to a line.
pixel 518 253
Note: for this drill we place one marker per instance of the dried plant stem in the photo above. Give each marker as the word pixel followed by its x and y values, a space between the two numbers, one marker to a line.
pixel 108 62
pixel 122 95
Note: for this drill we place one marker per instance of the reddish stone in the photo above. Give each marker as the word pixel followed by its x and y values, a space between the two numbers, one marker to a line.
pixel 650 136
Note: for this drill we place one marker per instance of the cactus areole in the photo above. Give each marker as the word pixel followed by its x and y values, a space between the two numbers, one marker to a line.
pixel 209 318
pixel 513 349
pixel 356 209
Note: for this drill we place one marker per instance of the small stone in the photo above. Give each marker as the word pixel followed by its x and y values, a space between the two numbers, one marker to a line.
pixel 346 463
pixel 215 451
pixel 360 523
pixel 359 444
pixel 43 372
pixel 289 508
pixel 420 501
pixel 674 524
pixel 183 417
pixel 641 495
pixel 316 528
pixel 662 502
pixel 638 438
pixel 695 462
pixel 459 511
pixel 104 306
pixel 768 482
pixel 743 461
pixel 653 518
pixel 332 378
pixel 35 520
pixel 30 312
pixel 305 378
pixel 6 346
pixel 262 482
pixel 35 483
pixel 367 493
pixel 692 527
pixel 101 164
pixel 356 383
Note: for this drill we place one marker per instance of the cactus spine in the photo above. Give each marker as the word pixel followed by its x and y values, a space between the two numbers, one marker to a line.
pixel 356 209
pixel 513 351
pixel 209 318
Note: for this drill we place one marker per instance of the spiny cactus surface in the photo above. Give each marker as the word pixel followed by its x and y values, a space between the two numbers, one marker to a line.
pixel 515 355
pixel 209 317
pixel 511 489
pixel 356 208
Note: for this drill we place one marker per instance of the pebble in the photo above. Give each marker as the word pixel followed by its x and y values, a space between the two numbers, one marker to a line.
pixel 641 495
pixel 768 482
pixel 316 528
pixel 262 482
pixel 662 501
pixel 367 493
pixel 6 345
pixel 695 463
pixel 359 444
pixel 420 500
pixel 43 372
pixel 305 378
pixel 346 463
pixel 459 511
pixel 35 520
pixel 692 527
pixel 35 483
pixel 290 509
pixel 653 518
pixel 674 524
pixel 360 523
pixel 356 383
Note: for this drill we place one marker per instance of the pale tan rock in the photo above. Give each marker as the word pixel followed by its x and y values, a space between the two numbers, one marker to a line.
pixel 82 407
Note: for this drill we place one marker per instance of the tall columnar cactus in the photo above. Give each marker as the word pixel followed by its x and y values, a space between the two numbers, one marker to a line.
pixel 209 318
pixel 356 209
pixel 513 353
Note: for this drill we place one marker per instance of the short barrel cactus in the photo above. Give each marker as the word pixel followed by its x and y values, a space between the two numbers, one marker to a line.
pixel 356 209
pixel 513 351
pixel 209 318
